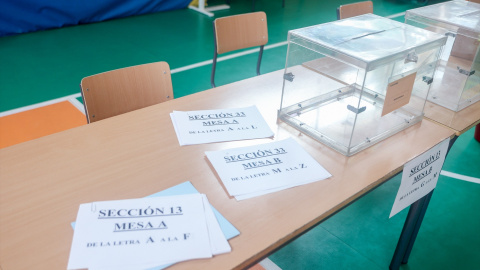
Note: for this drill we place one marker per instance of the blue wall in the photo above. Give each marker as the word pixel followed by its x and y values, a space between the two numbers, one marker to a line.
pixel 21 16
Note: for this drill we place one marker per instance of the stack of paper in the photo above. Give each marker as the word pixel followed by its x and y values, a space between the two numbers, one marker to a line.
pixel 256 170
pixel 197 127
pixel 145 233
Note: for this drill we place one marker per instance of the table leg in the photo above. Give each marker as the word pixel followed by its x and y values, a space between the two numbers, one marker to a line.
pixel 421 215
pixel 407 231
pixel 477 133
pixel 412 226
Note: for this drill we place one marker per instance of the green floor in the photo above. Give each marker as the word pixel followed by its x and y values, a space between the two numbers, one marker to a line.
pixel 41 66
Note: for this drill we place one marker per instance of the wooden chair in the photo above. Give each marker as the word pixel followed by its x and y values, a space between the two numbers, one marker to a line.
pixel 239 32
pixel 355 9
pixel 123 90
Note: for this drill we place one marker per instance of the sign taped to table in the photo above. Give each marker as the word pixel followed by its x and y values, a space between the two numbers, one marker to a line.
pixel 420 176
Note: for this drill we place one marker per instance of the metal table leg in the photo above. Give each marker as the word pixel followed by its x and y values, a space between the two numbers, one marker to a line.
pixel 476 135
pixel 407 231
pixel 421 215
pixel 412 226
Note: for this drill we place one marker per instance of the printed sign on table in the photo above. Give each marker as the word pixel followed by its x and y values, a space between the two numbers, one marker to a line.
pixel 197 127
pixel 420 176
pixel 256 170
pixel 143 233
pixel 219 228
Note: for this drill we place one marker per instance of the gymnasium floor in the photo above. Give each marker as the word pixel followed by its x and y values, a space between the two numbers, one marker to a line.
pixel 39 95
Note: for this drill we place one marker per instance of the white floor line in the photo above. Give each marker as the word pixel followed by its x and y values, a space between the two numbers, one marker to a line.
pixel 77 105
pixel 395 15
pixel 460 177
pixel 269 265
pixel 38 105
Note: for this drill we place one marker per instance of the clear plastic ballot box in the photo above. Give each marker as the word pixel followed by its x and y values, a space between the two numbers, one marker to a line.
pixel 457 80
pixel 354 82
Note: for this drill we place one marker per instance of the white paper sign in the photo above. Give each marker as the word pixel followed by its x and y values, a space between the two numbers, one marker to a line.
pixel 255 170
pixel 218 242
pixel 140 232
pixel 420 176
pixel 197 127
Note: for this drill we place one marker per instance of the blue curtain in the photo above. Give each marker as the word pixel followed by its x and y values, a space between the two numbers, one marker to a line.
pixel 20 16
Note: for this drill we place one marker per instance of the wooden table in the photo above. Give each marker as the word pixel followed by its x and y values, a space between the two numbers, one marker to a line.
pixel 460 122
pixel 42 182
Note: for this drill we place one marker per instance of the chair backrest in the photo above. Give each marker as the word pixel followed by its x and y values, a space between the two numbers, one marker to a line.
pixel 355 9
pixel 123 90
pixel 239 32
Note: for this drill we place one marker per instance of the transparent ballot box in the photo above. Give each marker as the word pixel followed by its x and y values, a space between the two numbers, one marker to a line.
pixel 457 80
pixel 353 82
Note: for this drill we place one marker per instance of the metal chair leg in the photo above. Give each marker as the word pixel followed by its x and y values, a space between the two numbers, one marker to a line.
pixel 214 64
pixel 259 61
